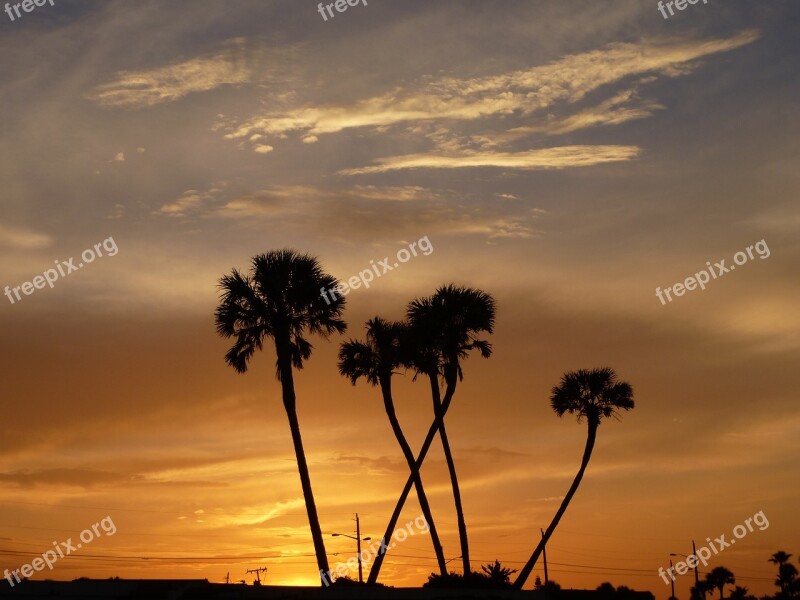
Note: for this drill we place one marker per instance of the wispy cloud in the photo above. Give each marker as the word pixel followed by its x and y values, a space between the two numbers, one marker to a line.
pixel 622 107
pixel 517 93
pixel 545 158
pixel 23 239
pixel 146 88
pixel 365 211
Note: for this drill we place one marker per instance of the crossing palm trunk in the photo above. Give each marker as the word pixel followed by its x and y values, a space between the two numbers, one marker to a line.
pixel 451 466
pixel 426 445
pixel 587 454
pixel 388 404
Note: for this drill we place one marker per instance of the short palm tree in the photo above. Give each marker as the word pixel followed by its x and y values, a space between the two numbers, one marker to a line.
pixel 443 329
pixel 741 593
pixel 718 578
pixel 280 299
pixel 376 360
pixel 594 395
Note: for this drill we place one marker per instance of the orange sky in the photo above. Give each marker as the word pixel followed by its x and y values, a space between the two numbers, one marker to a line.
pixel 567 158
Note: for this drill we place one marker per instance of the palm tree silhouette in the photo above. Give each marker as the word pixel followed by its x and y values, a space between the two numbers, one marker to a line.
pixel 786 571
pixel 718 578
pixel 593 395
pixel 780 557
pixel 740 593
pixel 443 329
pixel 376 360
pixel 280 299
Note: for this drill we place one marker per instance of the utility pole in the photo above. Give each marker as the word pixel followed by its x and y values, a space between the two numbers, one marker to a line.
pixel 358 545
pixel 228 577
pixel 358 540
pixel 544 556
pixel 672 578
pixel 258 574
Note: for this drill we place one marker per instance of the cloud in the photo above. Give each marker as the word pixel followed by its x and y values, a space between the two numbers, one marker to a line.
pixel 519 93
pixel 545 158
pixel 365 212
pixel 146 88
pixel 119 157
pixel 189 201
pixel 24 239
pixel 620 108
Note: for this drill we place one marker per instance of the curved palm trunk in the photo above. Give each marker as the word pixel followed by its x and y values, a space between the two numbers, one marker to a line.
pixel 426 445
pixel 451 465
pixel 289 403
pixel 388 403
pixel 587 454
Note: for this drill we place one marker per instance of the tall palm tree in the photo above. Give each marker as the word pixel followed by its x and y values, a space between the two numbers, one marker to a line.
pixel 376 360
pixel 785 575
pixel 280 299
pixel 443 330
pixel 718 578
pixel 594 395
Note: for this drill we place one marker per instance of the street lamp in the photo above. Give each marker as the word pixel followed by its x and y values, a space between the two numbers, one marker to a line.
pixel 696 575
pixel 358 540
pixel 672 577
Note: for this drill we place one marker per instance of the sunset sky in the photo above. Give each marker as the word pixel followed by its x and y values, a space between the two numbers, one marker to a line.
pixel 567 157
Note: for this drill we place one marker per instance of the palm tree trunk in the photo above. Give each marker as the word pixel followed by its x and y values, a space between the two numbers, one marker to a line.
pixel 426 445
pixel 451 466
pixel 587 454
pixel 289 403
pixel 388 403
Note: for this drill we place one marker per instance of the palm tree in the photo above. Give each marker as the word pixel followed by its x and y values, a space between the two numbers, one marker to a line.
pixel 443 331
pixel 740 593
pixel 375 360
pixel 497 574
pixel 461 313
pixel 780 557
pixel 701 590
pixel 594 395
pixel 787 579
pixel 785 575
pixel 280 299
pixel 718 578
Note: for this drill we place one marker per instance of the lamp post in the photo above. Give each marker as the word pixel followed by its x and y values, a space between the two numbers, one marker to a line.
pixel 358 540
pixel 672 578
pixel 696 574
